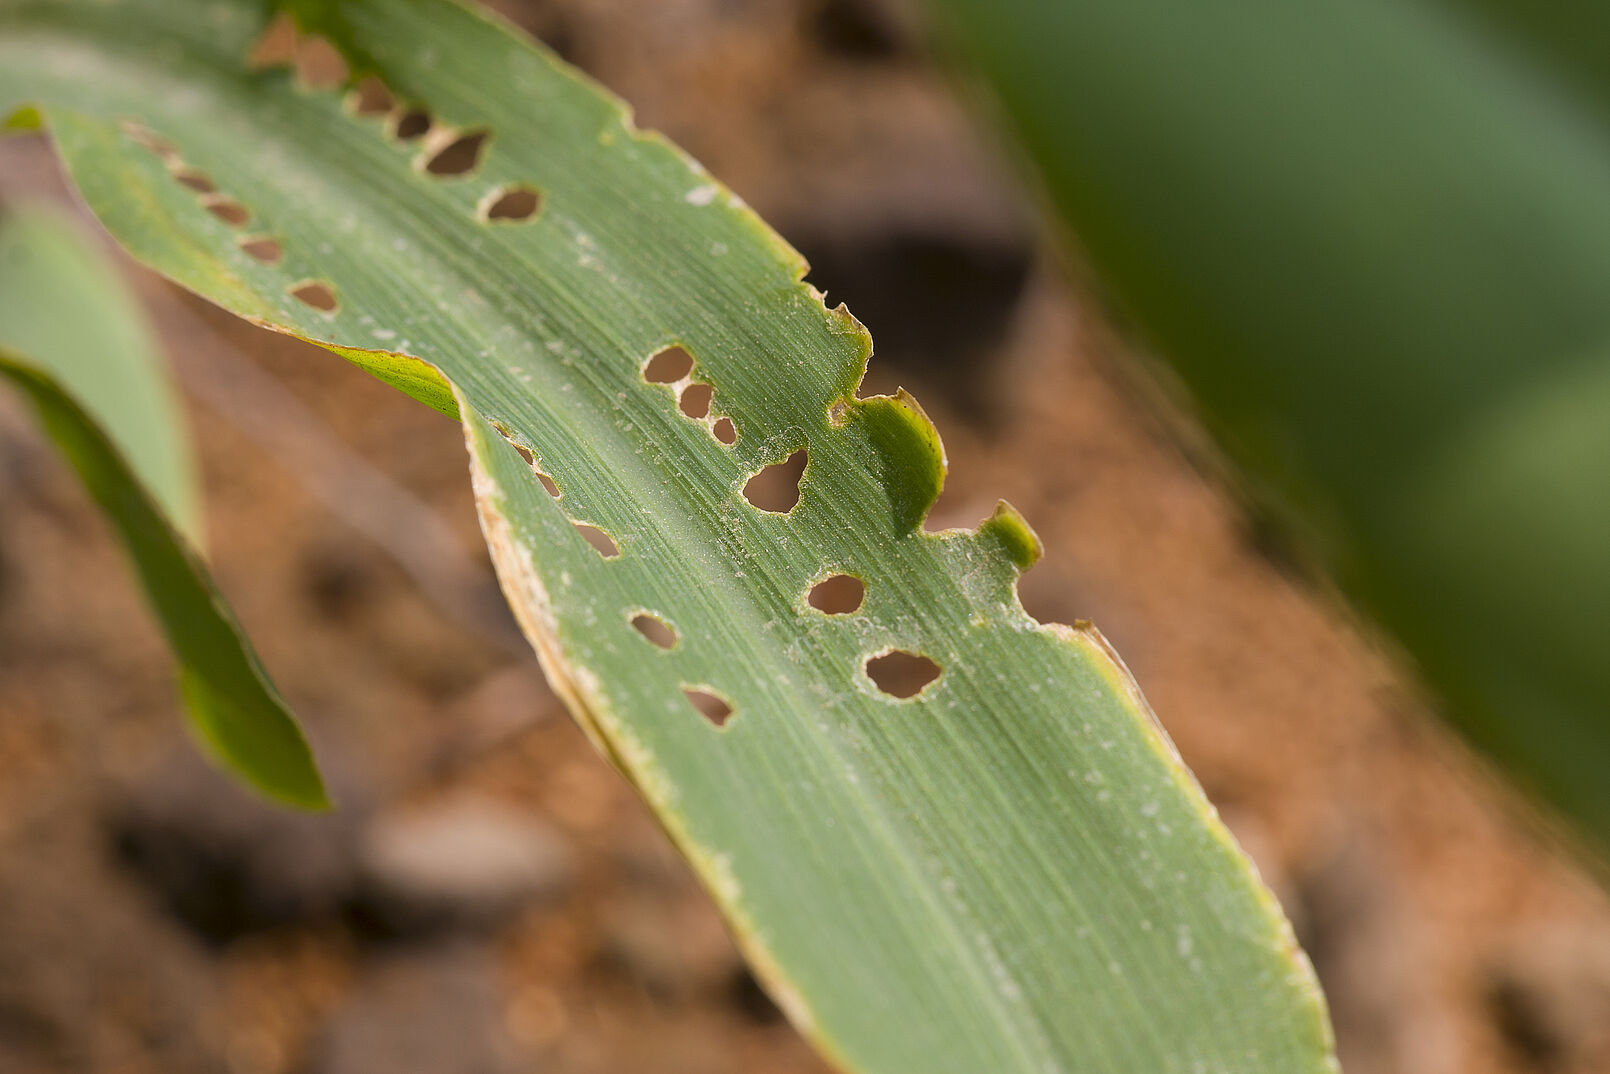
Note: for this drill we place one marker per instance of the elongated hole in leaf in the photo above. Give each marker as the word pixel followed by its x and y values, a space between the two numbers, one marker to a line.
pixel 228 210
pixel 458 157
pixel 668 366
pixel 511 204
pixel 195 180
pixel 316 294
pixel 411 124
pixel 263 249
pixel 655 629
pixel 776 488
pixel 372 98
pixel 725 431
pixel 143 136
pixel 838 594
pixel 601 541
pixel 711 706
pixel 695 401
pixel 902 674
pixel 320 65
pixel 536 468
pixel 530 459
pixel 277 45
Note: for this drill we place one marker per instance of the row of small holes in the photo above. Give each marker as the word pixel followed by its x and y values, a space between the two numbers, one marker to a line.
pixel 601 542
pixel 673 367
pixel 900 673
pixel 451 154
pixel 776 489
pixel 448 153
pixel 266 249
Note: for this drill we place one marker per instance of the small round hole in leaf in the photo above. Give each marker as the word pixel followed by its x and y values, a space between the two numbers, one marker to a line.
pixel 458 157
pixel 411 124
pixel 695 401
pixel 668 366
pixel 902 674
pixel 372 98
pixel 602 542
pixel 837 594
pixel 277 45
pixel 317 294
pixel 263 249
pixel 725 431
pixel 776 488
pixel 511 205
pixel 320 65
pixel 712 707
pixel 655 629
pixel 228 210
pixel 144 137
pixel 195 180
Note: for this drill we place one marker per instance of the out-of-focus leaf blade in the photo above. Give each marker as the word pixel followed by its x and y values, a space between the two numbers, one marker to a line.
pixel 1373 237
pixel 68 331
pixel 1010 871
pixel 63 305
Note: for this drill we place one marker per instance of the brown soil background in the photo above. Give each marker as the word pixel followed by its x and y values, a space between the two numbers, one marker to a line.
pixel 492 897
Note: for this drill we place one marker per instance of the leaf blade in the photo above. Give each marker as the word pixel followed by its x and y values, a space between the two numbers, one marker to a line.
pixel 916 881
pixel 231 704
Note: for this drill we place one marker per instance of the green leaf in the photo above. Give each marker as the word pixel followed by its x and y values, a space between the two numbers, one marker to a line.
pixel 72 341
pixel 1372 237
pixel 1009 871
pixel 62 304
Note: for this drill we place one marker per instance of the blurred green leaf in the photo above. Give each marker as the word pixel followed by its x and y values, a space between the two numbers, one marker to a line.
pixel 72 340
pixel 1373 238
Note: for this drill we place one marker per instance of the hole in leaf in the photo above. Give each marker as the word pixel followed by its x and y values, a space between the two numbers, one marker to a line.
pixel 655 629
pixel 316 294
pixel 668 366
pixel 459 156
pixel 411 124
pixel 372 98
pixel 838 594
pixel 143 135
pixel 695 401
pixel 901 674
pixel 320 65
pixel 725 431
pixel 710 706
pixel 601 541
pixel 263 249
pixel 195 180
pixel 277 46
pixel 511 204
pixel 536 468
pixel 228 210
pixel 776 488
